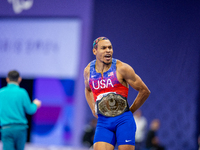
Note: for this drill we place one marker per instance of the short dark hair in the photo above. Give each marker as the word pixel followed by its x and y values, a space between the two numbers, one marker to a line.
pixel 13 75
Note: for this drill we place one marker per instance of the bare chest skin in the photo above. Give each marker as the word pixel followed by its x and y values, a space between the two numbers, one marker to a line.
pixel 102 70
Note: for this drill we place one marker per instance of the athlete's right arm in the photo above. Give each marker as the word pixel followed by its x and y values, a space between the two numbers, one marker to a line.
pixel 88 92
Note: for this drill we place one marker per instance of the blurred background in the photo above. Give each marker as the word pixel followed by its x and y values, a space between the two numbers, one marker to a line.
pixel 50 43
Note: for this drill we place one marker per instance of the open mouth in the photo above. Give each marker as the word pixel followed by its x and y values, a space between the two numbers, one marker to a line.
pixel 108 56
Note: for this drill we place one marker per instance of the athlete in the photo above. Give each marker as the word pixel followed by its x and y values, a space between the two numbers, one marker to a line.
pixel 107 83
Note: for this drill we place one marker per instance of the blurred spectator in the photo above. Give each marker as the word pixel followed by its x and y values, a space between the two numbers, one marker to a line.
pixel 141 124
pixel 152 141
pixel 15 103
pixel 88 134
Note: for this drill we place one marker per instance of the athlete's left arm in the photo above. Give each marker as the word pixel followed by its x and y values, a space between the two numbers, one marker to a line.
pixel 129 75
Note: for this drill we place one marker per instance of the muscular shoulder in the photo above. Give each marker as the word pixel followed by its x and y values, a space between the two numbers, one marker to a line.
pixel 123 68
pixel 125 73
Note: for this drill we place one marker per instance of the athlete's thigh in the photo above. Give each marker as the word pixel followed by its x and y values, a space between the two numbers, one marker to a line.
pixel 102 134
pixel 103 146
pixel 125 133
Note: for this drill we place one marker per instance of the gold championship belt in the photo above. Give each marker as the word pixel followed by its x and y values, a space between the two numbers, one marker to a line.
pixel 112 105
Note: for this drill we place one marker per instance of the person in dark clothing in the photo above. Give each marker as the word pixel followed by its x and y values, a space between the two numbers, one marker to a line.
pixel 88 135
pixel 152 141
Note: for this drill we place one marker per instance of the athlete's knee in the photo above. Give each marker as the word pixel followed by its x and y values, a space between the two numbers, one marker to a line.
pixel 103 145
pixel 126 147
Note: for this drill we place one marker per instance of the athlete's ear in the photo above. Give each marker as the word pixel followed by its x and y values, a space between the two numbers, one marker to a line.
pixel 94 51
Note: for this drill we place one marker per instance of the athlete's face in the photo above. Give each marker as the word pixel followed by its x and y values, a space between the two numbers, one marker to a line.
pixel 104 52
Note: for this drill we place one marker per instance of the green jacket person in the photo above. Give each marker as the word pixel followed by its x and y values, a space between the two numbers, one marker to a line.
pixel 14 104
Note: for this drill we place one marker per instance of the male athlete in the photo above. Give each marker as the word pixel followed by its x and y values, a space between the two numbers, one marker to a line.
pixel 107 82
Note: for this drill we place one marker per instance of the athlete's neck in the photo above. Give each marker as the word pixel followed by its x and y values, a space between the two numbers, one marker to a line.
pixel 102 67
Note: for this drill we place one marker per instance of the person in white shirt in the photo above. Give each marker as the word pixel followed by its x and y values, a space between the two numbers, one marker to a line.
pixel 141 124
